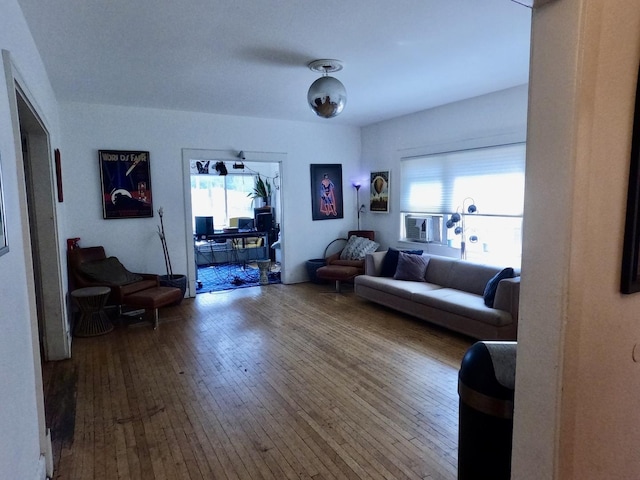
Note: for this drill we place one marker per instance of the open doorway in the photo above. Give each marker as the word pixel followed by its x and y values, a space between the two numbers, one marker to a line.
pixel 47 270
pixel 227 224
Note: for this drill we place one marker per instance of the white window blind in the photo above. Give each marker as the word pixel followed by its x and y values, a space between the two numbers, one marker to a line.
pixel 492 176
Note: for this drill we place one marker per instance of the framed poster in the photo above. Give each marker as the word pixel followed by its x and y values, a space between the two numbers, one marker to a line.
pixel 58 175
pixel 126 184
pixel 326 191
pixel 4 243
pixel 630 278
pixel 379 201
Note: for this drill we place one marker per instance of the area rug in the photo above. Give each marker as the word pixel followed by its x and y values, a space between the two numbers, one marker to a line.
pixel 228 276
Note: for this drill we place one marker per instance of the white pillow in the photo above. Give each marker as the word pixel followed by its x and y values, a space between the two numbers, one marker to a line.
pixel 357 248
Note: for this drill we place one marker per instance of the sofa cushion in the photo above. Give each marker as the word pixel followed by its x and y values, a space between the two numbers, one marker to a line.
pixel 460 274
pixel 109 270
pixel 492 285
pixel 403 289
pixel 464 304
pixel 411 267
pixel 357 248
pixel 390 261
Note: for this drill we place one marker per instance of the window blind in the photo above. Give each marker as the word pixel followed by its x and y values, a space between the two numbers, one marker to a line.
pixel 492 176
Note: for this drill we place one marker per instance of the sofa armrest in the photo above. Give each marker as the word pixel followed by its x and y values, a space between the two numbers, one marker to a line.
pixel 373 263
pixel 508 296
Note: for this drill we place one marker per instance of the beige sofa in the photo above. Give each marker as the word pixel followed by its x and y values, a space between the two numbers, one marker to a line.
pixel 451 296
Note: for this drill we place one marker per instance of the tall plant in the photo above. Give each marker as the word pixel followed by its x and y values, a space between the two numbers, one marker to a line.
pixel 163 240
pixel 261 188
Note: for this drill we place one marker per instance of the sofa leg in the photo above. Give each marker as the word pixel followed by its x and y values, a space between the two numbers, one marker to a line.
pixel 337 286
pixel 155 318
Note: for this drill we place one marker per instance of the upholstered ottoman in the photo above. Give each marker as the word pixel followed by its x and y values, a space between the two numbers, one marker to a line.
pixel 154 298
pixel 338 273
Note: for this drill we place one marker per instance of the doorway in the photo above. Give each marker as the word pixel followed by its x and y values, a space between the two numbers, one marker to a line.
pixel 53 332
pixel 266 164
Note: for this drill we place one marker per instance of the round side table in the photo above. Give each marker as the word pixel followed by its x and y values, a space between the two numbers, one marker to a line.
pixel 264 266
pixel 93 320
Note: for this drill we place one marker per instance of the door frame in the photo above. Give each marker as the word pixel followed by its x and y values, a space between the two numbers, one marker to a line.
pixel 189 154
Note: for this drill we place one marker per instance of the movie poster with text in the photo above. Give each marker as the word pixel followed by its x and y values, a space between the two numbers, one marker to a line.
pixel 126 184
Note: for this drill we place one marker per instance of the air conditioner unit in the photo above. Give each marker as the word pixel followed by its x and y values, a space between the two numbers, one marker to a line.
pixel 423 228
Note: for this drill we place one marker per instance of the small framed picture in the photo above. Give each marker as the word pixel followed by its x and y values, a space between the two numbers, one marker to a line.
pixel 58 165
pixel 126 184
pixel 630 278
pixel 4 243
pixel 379 201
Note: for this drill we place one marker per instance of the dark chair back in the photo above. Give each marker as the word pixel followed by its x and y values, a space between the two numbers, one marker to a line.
pixel 76 258
pixel 370 234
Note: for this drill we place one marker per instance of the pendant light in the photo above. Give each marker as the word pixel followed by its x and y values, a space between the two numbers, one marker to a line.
pixel 327 95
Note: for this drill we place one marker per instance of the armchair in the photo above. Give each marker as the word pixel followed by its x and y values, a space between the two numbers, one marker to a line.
pixel 343 268
pixel 90 267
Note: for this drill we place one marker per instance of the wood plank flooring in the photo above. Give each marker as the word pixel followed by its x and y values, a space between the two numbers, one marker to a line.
pixel 273 382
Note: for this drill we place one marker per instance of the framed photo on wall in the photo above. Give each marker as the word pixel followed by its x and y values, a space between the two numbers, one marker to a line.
pixel 126 184
pixel 58 164
pixel 4 243
pixel 326 191
pixel 630 278
pixel 379 201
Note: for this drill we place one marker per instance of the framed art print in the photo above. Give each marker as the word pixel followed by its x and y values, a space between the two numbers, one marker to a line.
pixel 4 243
pixel 326 191
pixel 126 184
pixel 379 201
pixel 58 166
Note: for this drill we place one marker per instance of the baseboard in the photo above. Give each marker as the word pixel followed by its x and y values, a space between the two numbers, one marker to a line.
pixel 42 469
pixel 48 455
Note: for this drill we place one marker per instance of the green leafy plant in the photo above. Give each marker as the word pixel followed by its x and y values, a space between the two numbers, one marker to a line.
pixel 261 188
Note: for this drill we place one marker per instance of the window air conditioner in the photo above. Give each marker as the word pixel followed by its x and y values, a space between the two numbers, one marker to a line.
pixel 423 228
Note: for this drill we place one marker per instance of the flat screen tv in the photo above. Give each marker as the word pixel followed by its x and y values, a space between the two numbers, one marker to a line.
pixel 204 226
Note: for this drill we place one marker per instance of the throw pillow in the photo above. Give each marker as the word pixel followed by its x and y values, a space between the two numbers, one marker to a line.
pixel 411 267
pixel 357 248
pixel 390 261
pixel 492 285
pixel 109 270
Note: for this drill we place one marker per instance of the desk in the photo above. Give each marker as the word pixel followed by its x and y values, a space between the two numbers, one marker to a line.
pixel 229 247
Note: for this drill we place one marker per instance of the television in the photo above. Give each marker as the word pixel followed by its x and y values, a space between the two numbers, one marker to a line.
pixel 204 226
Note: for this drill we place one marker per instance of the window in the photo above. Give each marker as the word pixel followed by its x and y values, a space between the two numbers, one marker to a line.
pixel 222 196
pixel 433 187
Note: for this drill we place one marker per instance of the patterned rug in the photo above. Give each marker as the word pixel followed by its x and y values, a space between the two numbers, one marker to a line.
pixel 230 276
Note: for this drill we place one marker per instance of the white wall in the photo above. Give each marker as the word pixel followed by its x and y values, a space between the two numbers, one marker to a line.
pixel 492 119
pixel 578 373
pixel 89 128
pixel 21 412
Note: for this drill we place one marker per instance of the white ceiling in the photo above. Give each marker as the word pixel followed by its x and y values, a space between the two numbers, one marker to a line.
pixel 250 57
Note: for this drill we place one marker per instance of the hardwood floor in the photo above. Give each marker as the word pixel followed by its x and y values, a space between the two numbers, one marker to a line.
pixel 274 382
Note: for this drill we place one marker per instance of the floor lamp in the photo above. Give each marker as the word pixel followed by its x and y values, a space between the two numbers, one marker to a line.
pixel 358 206
pixel 458 217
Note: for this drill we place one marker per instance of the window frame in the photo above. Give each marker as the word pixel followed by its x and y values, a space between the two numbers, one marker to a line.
pixel 445 202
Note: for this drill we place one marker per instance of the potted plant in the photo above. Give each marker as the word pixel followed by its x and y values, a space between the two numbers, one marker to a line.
pixel 261 189
pixel 169 280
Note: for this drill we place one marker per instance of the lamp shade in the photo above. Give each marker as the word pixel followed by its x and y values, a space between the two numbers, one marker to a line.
pixel 327 97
